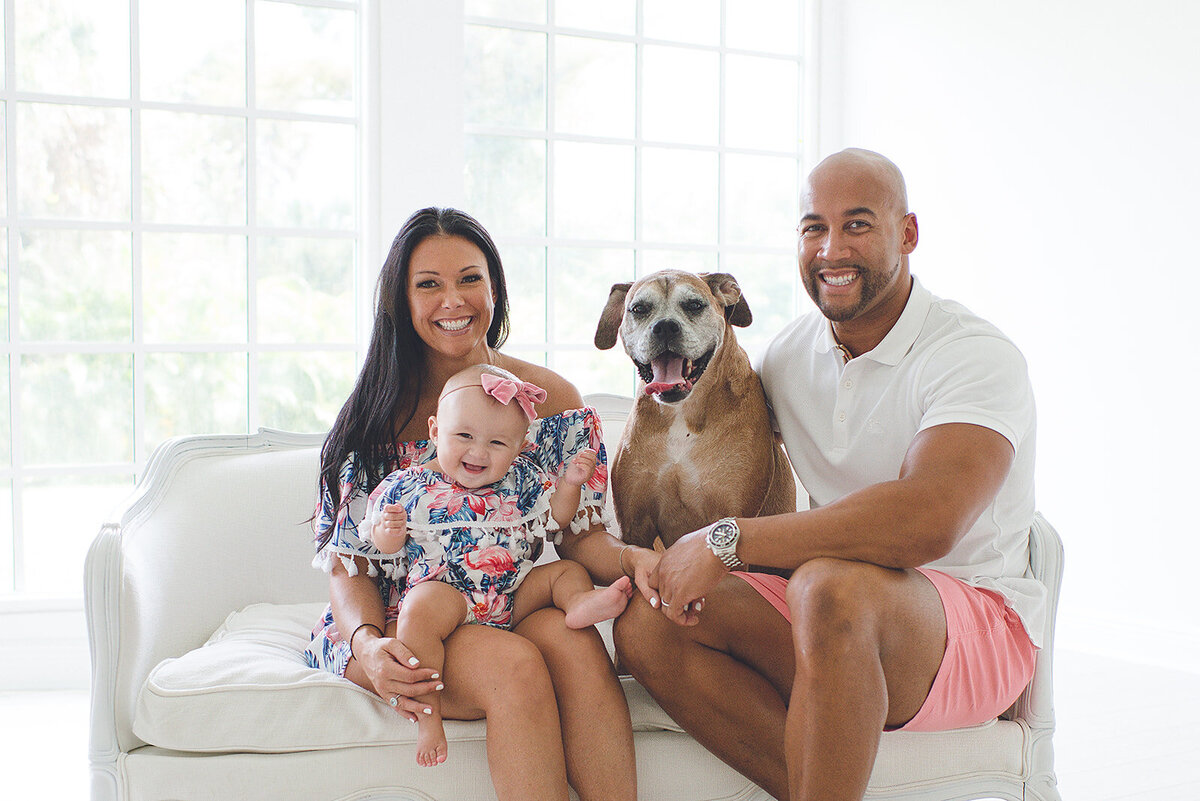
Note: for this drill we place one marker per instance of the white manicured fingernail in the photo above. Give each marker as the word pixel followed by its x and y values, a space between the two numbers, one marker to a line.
pixel 435 676
pixel 412 660
pixel 440 687
pixel 427 711
pixel 654 602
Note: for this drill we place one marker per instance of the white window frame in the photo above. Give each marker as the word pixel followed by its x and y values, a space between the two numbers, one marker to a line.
pixel 412 154
pixel 47 647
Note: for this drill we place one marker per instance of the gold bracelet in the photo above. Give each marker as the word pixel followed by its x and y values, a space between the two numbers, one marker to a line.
pixel 621 559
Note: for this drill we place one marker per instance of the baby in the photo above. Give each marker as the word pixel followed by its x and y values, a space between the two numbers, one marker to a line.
pixel 466 522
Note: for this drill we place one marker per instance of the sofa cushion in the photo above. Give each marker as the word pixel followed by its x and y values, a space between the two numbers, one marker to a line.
pixel 248 689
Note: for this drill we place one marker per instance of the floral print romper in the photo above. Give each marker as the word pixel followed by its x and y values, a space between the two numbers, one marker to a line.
pixel 480 541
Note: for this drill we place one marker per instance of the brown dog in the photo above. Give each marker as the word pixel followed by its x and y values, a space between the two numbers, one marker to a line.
pixel 699 445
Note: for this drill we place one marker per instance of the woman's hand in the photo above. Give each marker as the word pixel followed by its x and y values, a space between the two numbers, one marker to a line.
pixel 642 562
pixel 395 673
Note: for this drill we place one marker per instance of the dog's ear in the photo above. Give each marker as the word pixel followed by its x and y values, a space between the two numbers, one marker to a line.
pixel 725 289
pixel 610 318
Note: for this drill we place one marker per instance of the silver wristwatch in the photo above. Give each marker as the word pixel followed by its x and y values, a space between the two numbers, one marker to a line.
pixel 722 540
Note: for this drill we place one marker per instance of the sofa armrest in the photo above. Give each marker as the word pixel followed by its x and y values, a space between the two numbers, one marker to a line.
pixel 1036 704
pixel 215 524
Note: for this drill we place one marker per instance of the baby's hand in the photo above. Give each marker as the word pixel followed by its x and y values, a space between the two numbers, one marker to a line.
pixel 580 468
pixel 391 529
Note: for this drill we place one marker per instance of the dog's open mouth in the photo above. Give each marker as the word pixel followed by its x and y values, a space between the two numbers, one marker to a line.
pixel 670 377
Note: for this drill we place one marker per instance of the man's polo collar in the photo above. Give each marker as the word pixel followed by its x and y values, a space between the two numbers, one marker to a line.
pixel 902 336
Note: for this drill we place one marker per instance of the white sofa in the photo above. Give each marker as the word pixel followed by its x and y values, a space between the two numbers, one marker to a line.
pixel 200 595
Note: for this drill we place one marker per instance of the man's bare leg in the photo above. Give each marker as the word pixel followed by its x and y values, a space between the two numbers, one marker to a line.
pixel 868 645
pixel 724 680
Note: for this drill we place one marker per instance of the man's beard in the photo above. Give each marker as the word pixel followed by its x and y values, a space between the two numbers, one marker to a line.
pixel 870 284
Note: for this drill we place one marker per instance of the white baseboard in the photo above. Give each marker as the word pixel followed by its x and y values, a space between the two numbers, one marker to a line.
pixel 45 647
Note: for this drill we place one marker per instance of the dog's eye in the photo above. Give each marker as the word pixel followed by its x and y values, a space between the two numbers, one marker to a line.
pixel 694 306
pixel 639 309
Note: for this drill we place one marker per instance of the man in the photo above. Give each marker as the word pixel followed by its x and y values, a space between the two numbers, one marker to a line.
pixel 901 604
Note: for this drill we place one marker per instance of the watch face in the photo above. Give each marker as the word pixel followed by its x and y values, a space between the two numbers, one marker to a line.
pixel 722 535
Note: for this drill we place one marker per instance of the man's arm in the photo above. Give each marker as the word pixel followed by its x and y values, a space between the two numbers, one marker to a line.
pixel 950 474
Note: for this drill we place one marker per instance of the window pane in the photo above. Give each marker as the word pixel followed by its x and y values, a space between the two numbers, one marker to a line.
pixel 505 78
pixel 193 168
pixel 306 174
pixel 516 10
pixel 768 287
pixel 73 47
pixel 4 270
pixel 594 87
pixel 593 188
pixel 761 199
pixel 765 25
pixel 505 184
pixel 75 162
pixel 3 147
pixel 56 544
pixel 581 279
pixel 761 99
pixel 194 288
pixel 76 286
pixel 680 95
pixel 77 408
pixel 679 195
pixel 525 276
pixel 193 52
pixel 7 543
pixel 194 393
pixel 5 424
pixel 592 370
pixel 695 261
pixel 613 16
pixel 304 391
pixel 696 21
pixel 304 58
pixel 305 290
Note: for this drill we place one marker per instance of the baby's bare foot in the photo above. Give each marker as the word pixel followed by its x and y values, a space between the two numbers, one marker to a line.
pixel 590 608
pixel 431 743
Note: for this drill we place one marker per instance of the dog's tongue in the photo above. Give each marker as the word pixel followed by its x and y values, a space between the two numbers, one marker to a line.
pixel 668 374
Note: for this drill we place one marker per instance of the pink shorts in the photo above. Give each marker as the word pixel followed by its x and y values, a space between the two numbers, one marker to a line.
pixel 989 657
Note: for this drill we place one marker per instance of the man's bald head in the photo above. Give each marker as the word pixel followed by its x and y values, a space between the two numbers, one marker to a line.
pixel 866 166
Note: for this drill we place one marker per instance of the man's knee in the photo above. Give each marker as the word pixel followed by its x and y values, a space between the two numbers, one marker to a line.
pixel 831 600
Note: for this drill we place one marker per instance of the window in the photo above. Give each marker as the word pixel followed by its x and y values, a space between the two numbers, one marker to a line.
pixel 608 140
pixel 181 234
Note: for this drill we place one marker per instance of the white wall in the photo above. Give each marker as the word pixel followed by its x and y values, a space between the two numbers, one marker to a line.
pixel 1050 148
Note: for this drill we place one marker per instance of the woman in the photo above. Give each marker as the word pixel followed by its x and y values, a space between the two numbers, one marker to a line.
pixel 555 710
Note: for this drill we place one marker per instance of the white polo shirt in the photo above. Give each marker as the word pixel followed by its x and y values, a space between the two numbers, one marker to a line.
pixel 847 425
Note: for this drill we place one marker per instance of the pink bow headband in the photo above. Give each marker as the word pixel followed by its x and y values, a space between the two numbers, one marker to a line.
pixel 506 390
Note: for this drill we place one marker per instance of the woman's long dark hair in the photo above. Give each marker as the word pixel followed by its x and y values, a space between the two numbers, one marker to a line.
pixel 388 388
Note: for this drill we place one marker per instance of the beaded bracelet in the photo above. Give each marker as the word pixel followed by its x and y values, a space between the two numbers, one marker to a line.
pixel 362 625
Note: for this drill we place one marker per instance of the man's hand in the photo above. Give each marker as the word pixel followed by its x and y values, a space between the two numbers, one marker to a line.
pixel 686 573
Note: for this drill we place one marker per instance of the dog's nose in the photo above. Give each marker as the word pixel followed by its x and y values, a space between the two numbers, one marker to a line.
pixel 665 328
